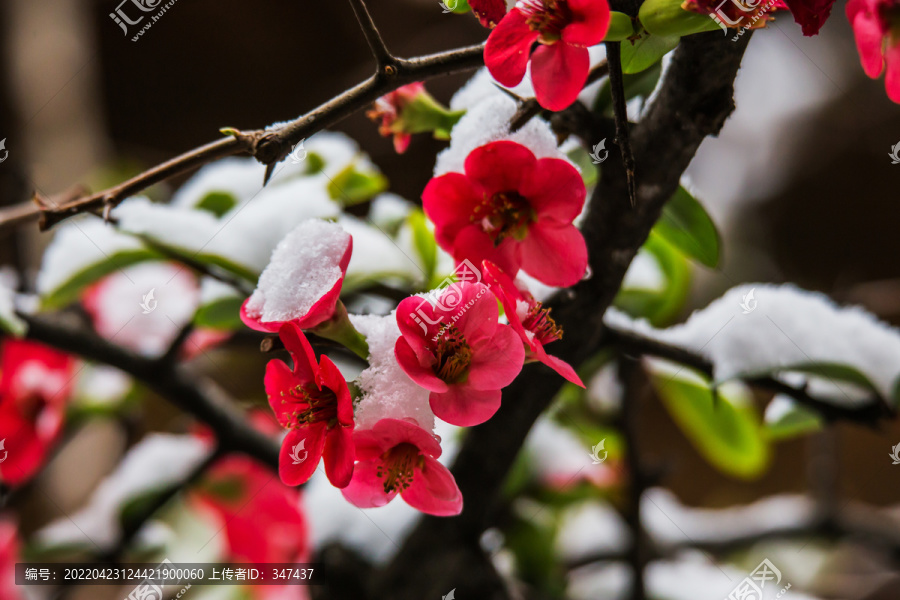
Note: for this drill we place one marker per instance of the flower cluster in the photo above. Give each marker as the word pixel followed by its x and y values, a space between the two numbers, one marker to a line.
pixel 447 354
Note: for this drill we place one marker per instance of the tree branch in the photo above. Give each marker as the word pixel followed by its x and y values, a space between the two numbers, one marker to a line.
pixel 384 61
pixel 695 99
pixel 269 146
pixel 199 398
pixel 867 414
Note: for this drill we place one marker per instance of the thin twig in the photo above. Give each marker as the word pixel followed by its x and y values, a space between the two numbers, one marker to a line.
pixel 617 89
pixel 269 146
pixel 383 58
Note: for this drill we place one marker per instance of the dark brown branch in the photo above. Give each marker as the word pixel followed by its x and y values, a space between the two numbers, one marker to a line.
pixel 383 58
pixel 695 99
pixel 196 397
pixel 617 90
pixel 267 146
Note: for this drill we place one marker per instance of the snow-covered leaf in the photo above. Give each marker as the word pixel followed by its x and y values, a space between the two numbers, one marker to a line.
pixel 83 252
pixel 784 418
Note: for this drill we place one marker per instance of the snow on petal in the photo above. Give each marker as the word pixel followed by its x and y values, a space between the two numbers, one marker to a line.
pixel 305 266
pixel 488 121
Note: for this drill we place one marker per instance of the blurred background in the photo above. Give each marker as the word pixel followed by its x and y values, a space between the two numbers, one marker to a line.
pixel 799 183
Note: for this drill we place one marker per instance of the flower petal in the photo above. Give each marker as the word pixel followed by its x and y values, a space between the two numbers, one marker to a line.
pixel 590 21
pixel 869 36
pixel 558 365
pixel 339 455
pixel 489 12
pixel 507 48
pixel 892 78
pixel 555 190
pixel 313 440
pixel 434 491
pixel 278 381
pixel 559 72
pixel 555 255
pixel 421 374
pixel 499 166
pixel 461 405
pixel 332 378
pixel 449 201
pixel 497 361
pixel 366 489
pixel 474 245
pixel 305 366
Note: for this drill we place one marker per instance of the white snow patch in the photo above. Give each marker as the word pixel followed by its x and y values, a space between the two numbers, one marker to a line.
pixel 304 267
pixel 489 122
pixel 388 392
pixel 78 245
pixel 785 329
pixel 157 461
pixel 239 177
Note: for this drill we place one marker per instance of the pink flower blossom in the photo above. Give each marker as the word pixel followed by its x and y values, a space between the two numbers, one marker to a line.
pixel 389 109
pixel 514 210
pixel 563 30
pixel 872 22
pixel 35 384
pixel 458 351
pixel 489 12
pixel 530 319
pixel 398 457
pixel 313 402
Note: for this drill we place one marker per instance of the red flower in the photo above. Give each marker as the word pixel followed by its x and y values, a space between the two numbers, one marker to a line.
pixel 530 319
pixel 489 12
pixel 313 402
pixel 459 352
pixel 319 293
pixel 389 108
pixel 263 520
pixel 35 383
pixel 873 21
pixel 514 210
pixel 397 457
pixel 559 67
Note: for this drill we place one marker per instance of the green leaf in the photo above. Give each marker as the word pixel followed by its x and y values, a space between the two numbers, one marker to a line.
pixel 424 242
pixel 9 320
pixel 645 52
pixel 667 18
pixel 621 27
pixel 70 290
pixel 352 186
pixel 659 307
pixel 314 163
pixel 218 203
pixel 791 422
pixel 725 430
pixel 686 225
pixel 221 313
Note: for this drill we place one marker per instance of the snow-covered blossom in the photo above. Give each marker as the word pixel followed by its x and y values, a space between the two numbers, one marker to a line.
pixel 398 457
pixel 35 385
pixel 563 30
pixel 513 209
pixel 458 350
pixel 303 280
pixel 312 401
pixel 530 319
